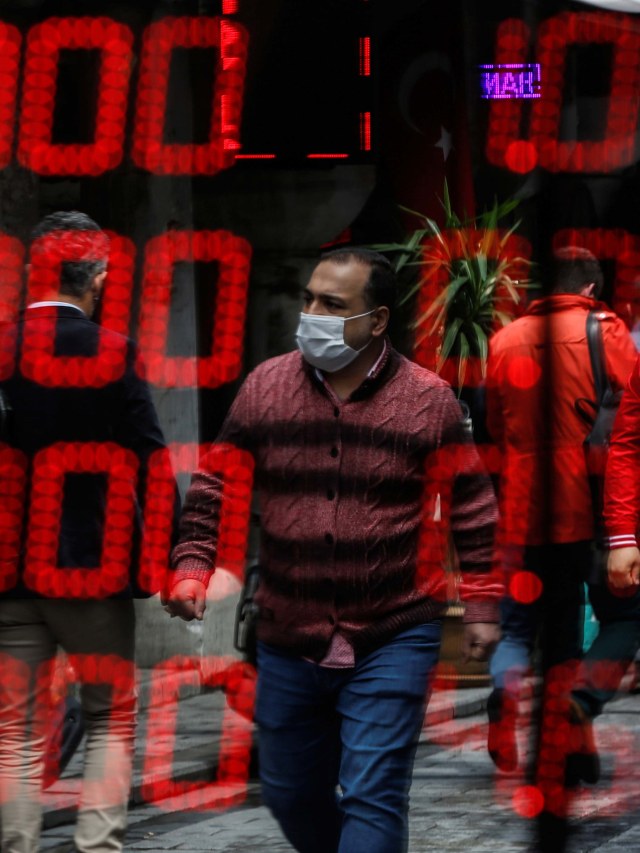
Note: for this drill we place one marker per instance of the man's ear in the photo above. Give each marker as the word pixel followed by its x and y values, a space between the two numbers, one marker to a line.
pixel 381 321
pixel 589 290
pixel 97 284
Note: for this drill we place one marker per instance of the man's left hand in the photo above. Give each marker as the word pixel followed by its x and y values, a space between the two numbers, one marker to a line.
pixel 479 640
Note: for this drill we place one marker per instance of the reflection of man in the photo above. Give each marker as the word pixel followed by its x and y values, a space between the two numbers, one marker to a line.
pixel 88 629
pixel 539 367
pixel 347 636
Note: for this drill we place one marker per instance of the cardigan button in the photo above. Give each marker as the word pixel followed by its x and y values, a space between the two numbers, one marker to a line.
pixel 328 538
pixel 336 412
pixel 330 494
pixel 331 620
pixel 334 452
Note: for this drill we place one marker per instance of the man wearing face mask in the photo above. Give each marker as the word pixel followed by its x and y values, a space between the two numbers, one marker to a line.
pixel 362 467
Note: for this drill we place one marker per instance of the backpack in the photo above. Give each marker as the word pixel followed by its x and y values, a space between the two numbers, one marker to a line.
pixel 600 415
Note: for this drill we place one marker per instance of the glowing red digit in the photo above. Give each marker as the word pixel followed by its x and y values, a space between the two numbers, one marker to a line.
pixel 36 150
pixel 237 680
pixel 235 469
pixel 41 572
pixel 10 42
pixel 233 255
pixel 38 360
pixel 13 474
pixel 505 147
pixel 11 269
pixel 160 39
pixel 617 149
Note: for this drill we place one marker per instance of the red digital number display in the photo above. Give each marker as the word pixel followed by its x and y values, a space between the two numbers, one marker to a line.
pixel 507 148
pixel 150 146
pixel 149 150
pixel 50 465
pixel 237 680
pixel 36 150
pixel 233 255
pixel 234 467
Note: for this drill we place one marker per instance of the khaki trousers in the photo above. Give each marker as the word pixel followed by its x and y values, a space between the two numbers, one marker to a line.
pixel 98 636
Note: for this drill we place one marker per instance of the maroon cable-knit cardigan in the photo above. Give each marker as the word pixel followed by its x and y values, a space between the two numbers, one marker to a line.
pixel 350 497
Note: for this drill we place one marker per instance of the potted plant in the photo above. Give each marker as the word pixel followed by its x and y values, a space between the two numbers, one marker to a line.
pixel 467 279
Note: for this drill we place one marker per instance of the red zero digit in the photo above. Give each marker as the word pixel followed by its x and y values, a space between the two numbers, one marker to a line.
pixel 38 360
pixel 237 680
pixel 11 269
pixel 36 150
pixel 13 474
pixel 617 147
pixel 10 42
pixel 41 572
pixel 160 39
pixel 233 255
pixel 234 467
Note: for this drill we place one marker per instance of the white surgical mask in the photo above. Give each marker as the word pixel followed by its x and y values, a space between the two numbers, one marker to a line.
pixel 320 339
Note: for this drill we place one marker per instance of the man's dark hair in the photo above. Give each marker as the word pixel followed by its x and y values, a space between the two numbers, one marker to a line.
pixel 574 268
pixel 382 286
pixel 76 276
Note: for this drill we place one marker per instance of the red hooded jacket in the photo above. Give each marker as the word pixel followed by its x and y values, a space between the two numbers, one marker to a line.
pixel 538 367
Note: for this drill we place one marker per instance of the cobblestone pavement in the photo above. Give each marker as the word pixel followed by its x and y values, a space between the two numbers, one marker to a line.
pixel 458 803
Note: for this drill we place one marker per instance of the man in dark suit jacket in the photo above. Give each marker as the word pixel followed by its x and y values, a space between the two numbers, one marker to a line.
pixel 75 590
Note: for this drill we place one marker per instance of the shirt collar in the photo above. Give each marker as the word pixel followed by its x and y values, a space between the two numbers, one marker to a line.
pixel 372 370
pixel 54 304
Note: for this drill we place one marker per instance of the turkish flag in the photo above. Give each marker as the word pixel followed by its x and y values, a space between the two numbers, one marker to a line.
pixel 424 129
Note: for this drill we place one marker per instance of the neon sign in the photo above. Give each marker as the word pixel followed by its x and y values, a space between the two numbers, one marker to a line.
pixel 513 80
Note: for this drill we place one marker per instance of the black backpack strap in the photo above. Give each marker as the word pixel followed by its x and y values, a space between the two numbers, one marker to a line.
pixel 596 353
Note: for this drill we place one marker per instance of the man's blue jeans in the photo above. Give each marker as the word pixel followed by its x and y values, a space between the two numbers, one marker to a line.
pixel 355 727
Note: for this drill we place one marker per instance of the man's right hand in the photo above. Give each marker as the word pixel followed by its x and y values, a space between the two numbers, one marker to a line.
pixel 187 599
pixel 623 568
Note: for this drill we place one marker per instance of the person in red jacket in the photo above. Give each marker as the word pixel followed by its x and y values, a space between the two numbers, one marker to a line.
pixel 539 367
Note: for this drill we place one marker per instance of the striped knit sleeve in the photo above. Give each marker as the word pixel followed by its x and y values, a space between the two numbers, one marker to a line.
pixel 194 555
pixel 622 478
pixel 473 516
